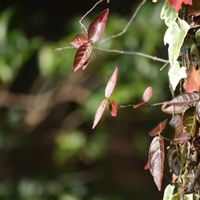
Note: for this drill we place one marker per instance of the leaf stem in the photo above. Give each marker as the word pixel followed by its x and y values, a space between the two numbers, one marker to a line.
pixel 128 24
pixel 133 53
pixel 90 10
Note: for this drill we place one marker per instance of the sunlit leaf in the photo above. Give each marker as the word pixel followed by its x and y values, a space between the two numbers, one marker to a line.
pixel 176 73
pixel 79 40
pixel 147 94
pixel 168 13
pixel 97 26
pixel 181 103
pixel 99 112
pixel 174 37
pixel 156 160
pixel 177 4
pixel 111 83
pixel 168 193
pixel 82 56
pixel 189 121
pixel 158 129
pixel 113 108
pixel 192 84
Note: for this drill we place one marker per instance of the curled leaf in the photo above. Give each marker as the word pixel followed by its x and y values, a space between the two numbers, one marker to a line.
pixel 156 160
pixel 158 129
pixel 113 108
pixel 181 103
pixel 79 40
pixel 97 26
pixel 181 138
pixel 99 112
pixel 111 83
pixel 147 94
pixel 82 56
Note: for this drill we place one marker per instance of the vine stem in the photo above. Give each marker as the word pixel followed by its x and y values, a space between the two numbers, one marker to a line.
pixel 133 53
pixel 127 25
pixel 90 10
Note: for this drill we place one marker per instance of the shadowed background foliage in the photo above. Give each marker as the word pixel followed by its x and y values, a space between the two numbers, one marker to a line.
pixel 47 148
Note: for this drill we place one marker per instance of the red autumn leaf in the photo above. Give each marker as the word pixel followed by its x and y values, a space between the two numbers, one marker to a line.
pixel 82 56
pixel 192 84
pixel 156 160
pixel 147 94
pixel 158 129
pixel 99 112
pixel 79 40
pixel 176 4
pixel 180 103
pixel 181 138
pixel 113 108
pixel 97 26
pixel 111 83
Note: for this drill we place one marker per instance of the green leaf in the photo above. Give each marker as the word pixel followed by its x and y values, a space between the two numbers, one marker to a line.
pixel 168 14
pixel 176 73
pixel 168 193
pixel 189 197
pixel 174 37
pixel 189 121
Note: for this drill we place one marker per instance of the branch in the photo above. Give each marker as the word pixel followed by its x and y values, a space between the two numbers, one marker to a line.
pixel 128 24
pixel 91 9
pixel 133 53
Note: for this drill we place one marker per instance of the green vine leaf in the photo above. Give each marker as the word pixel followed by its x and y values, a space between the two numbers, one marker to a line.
pixel 168 14
pixel 189 121
pixel 174 37
pixel 176 73
pixel 168 193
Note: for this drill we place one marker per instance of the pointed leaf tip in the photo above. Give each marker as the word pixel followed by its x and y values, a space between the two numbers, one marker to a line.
pixel 158 129
pixel 97 26
pixel 99 112
pixel 156 160
pixel 147 94
pixel 111 83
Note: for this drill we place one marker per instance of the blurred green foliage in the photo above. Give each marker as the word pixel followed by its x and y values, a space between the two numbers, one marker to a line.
pixel 57 155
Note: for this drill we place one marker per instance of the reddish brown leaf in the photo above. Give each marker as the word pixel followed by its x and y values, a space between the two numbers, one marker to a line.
pixel 97 26
pixel 79 40
pixel 99 112
pixel 181 138
pixel 146 167
pixel 113 108
pixel 158 129
pixel 147 94
pixel 111 83
pixel 177 4
pixel 156 160
pixel 192 84
pixel 82 56
pixel 177 123
pixel 181 103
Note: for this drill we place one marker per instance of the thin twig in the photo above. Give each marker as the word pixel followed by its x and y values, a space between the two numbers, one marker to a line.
pixel 80 21
pixel 64 48
pixel 132 53
pixel 128 24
